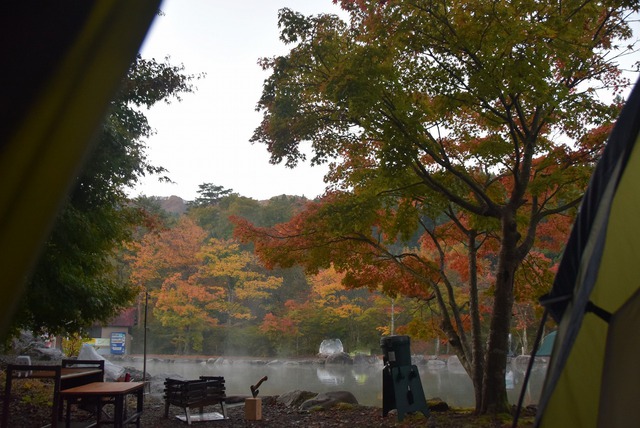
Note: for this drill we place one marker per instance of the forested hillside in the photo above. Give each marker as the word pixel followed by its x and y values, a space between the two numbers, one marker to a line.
pixel 209 294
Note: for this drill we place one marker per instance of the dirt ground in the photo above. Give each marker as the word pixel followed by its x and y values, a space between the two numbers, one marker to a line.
pixel 25 414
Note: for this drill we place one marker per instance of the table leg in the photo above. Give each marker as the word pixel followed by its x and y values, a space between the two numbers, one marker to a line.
pixel 98 411
pixel 118 411
pixel 68 417
pixel 139 405
pixel 57 406
pixel 7 399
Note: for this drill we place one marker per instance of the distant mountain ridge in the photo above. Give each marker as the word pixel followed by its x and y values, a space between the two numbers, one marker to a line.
pixel 176 205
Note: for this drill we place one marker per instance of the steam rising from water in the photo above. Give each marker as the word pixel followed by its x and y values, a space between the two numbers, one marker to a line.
pixel 363 380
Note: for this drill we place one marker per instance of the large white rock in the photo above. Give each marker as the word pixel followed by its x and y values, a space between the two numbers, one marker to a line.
pixel 331 346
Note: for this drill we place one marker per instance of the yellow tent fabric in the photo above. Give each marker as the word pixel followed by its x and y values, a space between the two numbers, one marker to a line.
pixel 44 145
pixel 621 371
pixel 602 289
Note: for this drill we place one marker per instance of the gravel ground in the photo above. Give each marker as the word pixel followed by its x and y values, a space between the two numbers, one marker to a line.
pixel 274 414
pixel 277 415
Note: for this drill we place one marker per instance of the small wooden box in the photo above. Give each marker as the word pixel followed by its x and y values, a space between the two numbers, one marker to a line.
pixel 253 409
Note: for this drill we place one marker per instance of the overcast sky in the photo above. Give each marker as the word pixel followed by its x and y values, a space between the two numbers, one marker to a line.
pixel 205 137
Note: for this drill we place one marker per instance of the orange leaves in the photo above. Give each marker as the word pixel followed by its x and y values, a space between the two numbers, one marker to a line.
pixel 183 301
pixel 237 273
pixel 181 307
pixel 168 251
pixel 337 232
pixel 257 289
pixel 273 325
pixel 308 239
pixel 553 233
pixel 222 258
pixel 196 283
pixel 328 293
pixel 535 277
pixel 326 285
pixel 266 241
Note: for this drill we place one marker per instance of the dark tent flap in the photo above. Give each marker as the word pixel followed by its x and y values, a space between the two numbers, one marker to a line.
pixel 69 81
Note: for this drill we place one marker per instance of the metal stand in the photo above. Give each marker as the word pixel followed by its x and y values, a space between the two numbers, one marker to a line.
pixel 402 390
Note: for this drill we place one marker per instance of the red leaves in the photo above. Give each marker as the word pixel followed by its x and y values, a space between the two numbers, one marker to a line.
pixel 273 325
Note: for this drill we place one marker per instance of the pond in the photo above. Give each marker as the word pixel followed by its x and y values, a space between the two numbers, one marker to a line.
pixel 448 382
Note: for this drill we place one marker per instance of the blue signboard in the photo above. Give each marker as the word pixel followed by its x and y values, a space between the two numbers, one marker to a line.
pixel 117 342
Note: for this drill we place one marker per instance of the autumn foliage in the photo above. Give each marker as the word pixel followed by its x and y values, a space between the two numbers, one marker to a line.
pixel 209 294
pixel 460 136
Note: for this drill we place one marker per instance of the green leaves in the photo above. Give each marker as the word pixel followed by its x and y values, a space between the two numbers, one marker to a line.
pixel 294 26
pixel 77 281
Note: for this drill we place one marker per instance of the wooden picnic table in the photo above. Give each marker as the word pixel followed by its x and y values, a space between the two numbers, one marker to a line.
pixel 107 393
pixel 68 374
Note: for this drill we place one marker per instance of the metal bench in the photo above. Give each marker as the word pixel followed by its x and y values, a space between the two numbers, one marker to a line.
pixel 188 394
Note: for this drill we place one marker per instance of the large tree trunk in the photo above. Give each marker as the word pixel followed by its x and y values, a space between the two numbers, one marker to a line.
pixel 494 393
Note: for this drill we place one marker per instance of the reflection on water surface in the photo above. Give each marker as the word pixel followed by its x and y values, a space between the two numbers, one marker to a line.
pixel 450 384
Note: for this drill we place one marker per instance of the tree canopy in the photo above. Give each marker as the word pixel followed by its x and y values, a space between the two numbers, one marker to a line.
pixel 473 124
pixel 210 194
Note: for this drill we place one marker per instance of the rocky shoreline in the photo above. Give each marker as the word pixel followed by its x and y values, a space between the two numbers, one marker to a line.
pixel 320 359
